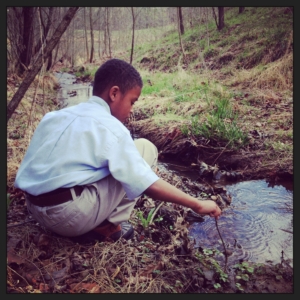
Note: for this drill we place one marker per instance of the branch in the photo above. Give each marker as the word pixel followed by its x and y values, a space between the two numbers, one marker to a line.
pixel 225 252
pixel 215 16
pixel 29 76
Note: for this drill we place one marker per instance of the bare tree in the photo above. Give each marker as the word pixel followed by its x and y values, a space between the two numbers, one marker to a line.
pixel 180 20
pixel 92 36
pixel 134 18
pixel 221 17
pixel 86 37
pixel 179 30
pixel 206 20
pixel 36 66
pixel 108 31
pixel 241 9
pixel 105 33
pixel 220 24
pixel 99 50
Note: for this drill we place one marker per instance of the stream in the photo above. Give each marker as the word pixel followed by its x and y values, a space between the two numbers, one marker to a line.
pixel 258 224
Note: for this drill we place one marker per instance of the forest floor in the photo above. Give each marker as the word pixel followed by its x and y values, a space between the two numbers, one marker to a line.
pixel 161 258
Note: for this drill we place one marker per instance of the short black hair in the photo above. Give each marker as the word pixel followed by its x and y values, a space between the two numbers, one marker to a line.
pixel 116 72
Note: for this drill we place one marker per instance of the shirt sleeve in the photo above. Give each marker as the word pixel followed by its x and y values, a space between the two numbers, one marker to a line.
pixel 128 166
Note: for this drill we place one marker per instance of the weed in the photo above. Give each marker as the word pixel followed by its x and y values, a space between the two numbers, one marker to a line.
pixel 244 267
pixel 217 285
pixel 8 201
pixel 147 221
pixel 239 286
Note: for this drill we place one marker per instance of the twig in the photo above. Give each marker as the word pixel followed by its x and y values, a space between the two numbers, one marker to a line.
pixel 225 252
pixel 19 224
pixel 286 230
pixel 18 275
pixel 157 208
pixel 221 152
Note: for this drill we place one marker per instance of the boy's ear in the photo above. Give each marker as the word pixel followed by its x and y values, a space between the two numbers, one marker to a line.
pixel 113 92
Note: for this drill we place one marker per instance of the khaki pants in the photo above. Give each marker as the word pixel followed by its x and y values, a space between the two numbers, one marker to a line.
pixel 99 201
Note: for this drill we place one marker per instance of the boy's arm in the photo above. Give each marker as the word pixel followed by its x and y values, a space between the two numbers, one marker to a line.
pixel 162 190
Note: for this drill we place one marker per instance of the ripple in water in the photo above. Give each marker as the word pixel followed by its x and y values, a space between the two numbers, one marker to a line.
pixel 253 226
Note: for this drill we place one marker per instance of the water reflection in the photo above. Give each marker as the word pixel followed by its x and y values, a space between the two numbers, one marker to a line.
pixel 256 220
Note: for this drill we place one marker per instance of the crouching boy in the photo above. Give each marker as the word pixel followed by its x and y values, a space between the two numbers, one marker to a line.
pixel 82 172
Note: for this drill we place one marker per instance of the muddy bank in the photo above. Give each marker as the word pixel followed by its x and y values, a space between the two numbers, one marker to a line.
pixel 251 162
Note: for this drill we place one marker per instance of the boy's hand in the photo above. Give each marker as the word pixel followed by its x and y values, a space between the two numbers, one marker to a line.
pixel 209 207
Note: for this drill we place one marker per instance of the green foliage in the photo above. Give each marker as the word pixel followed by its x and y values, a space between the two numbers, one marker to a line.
pixel 146 221
pixel 244 267
pixel 217 285
pixel 206 258
pixel 239 286
pixel 221 124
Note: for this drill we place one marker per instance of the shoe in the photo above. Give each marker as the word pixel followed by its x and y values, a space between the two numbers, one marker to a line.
pixel 107 231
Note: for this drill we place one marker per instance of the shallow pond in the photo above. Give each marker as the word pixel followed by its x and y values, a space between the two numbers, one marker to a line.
pixel 258 224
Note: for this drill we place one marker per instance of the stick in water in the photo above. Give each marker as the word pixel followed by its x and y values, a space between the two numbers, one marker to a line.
pixel 225 252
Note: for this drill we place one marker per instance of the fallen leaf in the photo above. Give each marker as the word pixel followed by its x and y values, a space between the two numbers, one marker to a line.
pixel 30 278
pixel 43 240
pixel 44 288
pixel 148 271
pixel 12 257
pixel 58 276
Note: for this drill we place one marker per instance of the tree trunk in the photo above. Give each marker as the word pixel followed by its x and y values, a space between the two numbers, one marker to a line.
pixel 215 17
pixel 132 40
pixel 73 44
pixel 30 75
pixel 105 33
pixel 241 9
pixel 92 36
pixel 179 31
pixel 207 31
pixel 221 17
pixel 86 38
pixel 46 29
pixel 108 33
pixel 25 55
pixel 99 49
pixel 180 20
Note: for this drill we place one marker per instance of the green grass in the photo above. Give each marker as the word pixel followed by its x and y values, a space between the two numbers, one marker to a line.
pixel 220 124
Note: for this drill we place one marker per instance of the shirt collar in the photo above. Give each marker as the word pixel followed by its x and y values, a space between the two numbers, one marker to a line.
pixel 100 101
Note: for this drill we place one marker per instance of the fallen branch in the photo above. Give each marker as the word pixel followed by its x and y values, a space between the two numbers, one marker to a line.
pixel 19 224
pixel 225 252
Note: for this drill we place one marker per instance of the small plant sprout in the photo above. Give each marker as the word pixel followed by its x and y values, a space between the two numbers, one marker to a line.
pixel 217 285
pixel 239 286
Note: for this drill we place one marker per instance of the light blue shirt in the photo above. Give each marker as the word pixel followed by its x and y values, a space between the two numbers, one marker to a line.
pixel 79 145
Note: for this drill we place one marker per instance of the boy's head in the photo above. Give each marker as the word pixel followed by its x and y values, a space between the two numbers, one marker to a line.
pixel 120 85
pixel 116 72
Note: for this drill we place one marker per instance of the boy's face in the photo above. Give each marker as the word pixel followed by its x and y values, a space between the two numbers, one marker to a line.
pixel 122 104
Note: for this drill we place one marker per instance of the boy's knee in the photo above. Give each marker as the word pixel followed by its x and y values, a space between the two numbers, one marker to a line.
pixel 147 150
pixel 143 143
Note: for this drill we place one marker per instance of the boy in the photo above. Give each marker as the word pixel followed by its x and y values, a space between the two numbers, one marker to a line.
pixel 82 161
